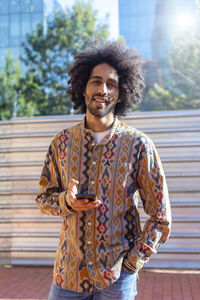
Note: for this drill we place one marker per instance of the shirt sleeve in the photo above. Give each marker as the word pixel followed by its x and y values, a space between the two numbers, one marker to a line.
pixel 153 192
pixel 51 198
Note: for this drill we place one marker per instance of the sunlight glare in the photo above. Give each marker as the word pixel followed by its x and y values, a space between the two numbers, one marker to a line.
pixel 184 21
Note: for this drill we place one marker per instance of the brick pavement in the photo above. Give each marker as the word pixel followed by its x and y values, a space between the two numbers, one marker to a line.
pixel 34 283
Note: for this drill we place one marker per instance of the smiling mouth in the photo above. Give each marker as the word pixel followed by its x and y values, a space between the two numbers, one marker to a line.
pixel 100 100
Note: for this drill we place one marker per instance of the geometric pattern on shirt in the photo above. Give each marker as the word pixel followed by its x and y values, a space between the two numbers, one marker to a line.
pixel 117 174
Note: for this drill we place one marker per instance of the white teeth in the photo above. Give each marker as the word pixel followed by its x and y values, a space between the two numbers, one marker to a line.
pixel 100 101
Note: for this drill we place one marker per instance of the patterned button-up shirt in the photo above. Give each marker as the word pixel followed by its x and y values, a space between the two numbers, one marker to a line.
pixel 95 244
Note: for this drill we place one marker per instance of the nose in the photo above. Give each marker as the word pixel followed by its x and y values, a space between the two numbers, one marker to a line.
pixel 103 90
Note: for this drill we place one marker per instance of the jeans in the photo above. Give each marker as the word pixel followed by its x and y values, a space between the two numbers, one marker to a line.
pixel 125 288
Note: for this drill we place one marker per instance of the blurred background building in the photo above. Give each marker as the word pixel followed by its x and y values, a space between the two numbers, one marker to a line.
pixel 148 25
pixel 19 17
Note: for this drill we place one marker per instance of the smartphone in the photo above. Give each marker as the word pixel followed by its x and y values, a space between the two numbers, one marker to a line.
pixel 90 197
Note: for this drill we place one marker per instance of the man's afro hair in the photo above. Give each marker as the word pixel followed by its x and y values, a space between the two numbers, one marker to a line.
pixel 123 59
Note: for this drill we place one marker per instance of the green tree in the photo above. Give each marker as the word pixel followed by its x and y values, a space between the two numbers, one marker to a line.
pixel 160 98
pixel 182 87
pixel 12 101
pixel 49 51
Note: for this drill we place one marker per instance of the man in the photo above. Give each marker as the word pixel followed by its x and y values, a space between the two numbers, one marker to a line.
pixel 102 246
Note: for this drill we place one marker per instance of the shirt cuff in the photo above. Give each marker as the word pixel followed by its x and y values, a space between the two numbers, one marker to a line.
pixel 127 269
pixel 134 260
pixel 66 209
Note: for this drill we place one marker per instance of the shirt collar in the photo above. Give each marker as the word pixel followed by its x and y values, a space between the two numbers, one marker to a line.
pixel 108 137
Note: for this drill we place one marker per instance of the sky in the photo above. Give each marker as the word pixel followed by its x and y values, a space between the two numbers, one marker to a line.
pixel 104 7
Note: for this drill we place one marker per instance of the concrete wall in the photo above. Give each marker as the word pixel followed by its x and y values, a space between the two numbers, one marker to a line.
pixel 28 237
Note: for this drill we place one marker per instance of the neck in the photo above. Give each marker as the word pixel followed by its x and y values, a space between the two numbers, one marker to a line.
pixel 99 124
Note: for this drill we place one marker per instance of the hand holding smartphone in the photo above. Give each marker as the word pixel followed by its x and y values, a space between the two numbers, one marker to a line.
pixel 90 197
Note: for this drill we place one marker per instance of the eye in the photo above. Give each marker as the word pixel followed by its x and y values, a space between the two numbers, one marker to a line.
pixel 96 82
pixel 112 85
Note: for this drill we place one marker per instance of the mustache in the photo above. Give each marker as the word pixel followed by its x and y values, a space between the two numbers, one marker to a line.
pixel 107 98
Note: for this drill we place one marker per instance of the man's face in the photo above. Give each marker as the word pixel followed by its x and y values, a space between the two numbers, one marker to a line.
pixel 102 90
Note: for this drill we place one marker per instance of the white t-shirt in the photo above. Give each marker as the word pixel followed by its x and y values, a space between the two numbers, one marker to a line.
pixel 100 135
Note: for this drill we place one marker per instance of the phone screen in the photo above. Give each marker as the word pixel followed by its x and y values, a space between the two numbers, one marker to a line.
pixel 90 197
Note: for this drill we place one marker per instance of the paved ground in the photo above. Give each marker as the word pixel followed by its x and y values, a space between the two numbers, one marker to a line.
pixel 34 283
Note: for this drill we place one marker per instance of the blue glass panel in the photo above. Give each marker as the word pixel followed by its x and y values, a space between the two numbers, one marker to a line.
pixel 25 6
pixel 15 41
pixel 3 6
pixel 25 24
pixel 14 25
pixel 4 34
pixel 15 52
pixel 4 21
pixel 14 6
pixel 4 31
pixel 3 52
pixel 36 18
pixel 38 5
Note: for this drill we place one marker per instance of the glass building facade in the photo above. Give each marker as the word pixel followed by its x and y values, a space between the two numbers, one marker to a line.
pixel 169 22
pixel 17 18
pixel 150 26
pixel 136 23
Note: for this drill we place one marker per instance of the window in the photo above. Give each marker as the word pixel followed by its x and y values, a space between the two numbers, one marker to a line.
pixel 25 24
pixel 3 6
pixel 4 21
pixel 3 52
pixel 14 6
pixel 15 41
pixel 25 6
pixel 36 18
pixel 4 36
pixel 4 31
pixel 38 5
pixel 14 25
pixel 14 30
pixel 15 52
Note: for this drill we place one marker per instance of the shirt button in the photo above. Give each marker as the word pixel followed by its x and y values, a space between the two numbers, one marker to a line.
pixel 90 263
pixel 92 182
pixel 89 242
pixel 93 144
pixel 89 223
pixel 94 162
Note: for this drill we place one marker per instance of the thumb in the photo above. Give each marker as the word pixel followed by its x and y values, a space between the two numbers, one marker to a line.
pixel 72 183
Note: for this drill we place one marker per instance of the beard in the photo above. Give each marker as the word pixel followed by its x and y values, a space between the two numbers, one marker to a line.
pixel 101 111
